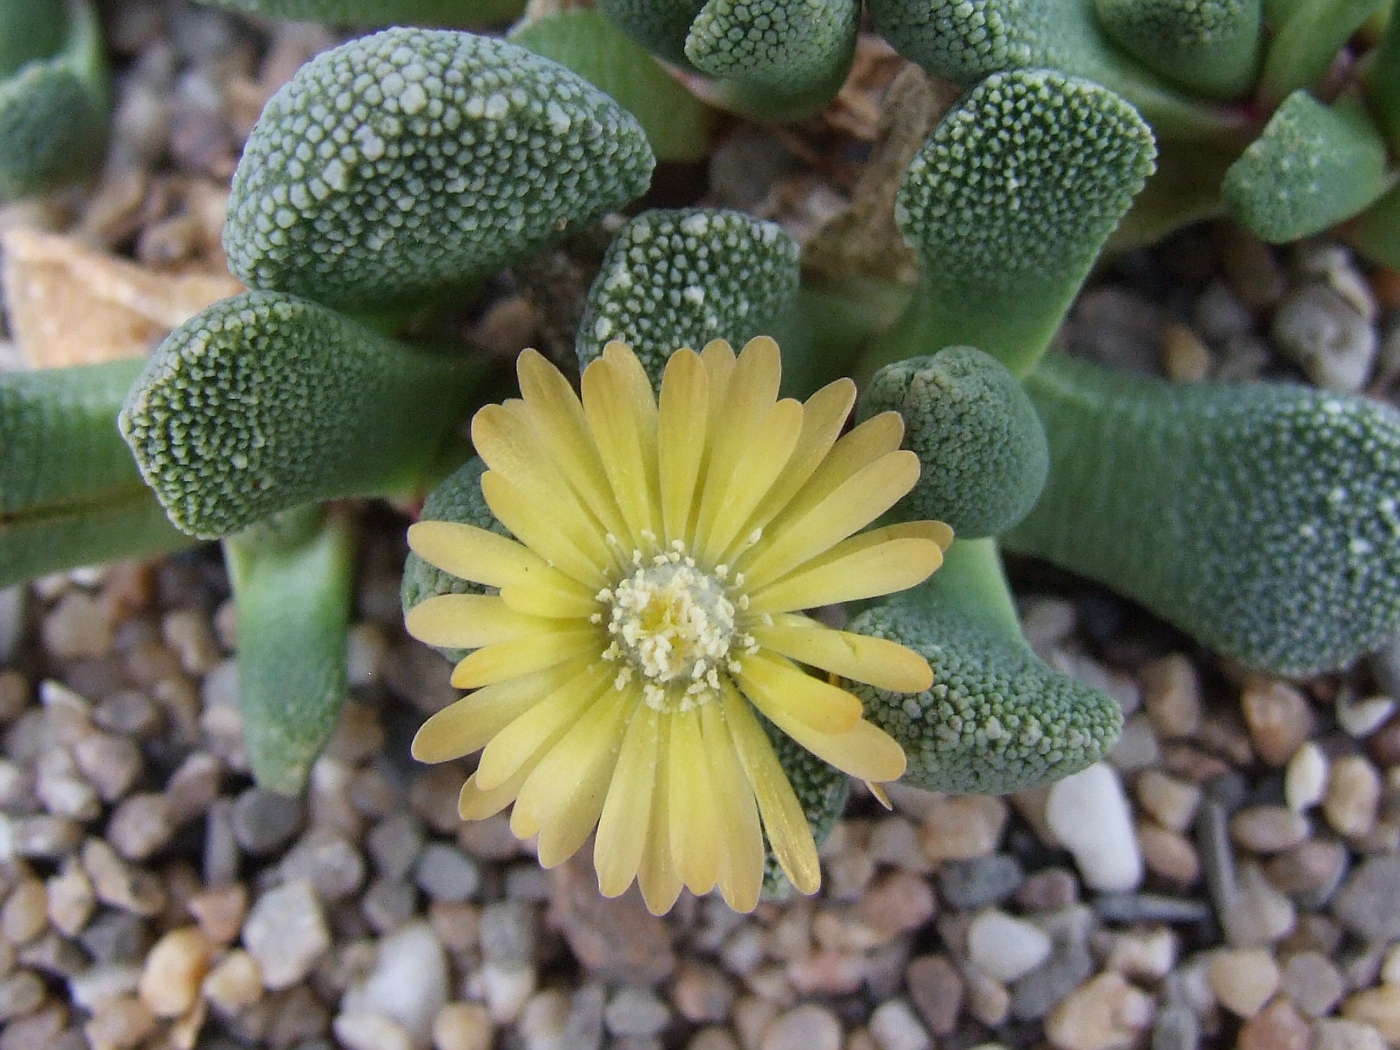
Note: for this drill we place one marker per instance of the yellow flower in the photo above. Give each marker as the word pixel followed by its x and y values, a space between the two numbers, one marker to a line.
pixel 649 607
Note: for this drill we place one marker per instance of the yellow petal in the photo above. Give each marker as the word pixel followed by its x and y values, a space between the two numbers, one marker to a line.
pixel 875 661
pixel 621 415
pixel 550 600
pixel 542 534
pixel 469 724
pixel 559 420
pixel 622 828
pixel 773 441
pixel 741 840
pixel 775 685
pixel 475 804
pixel 823 416
pixel 564 795
pixel 851 506
pixel 506 439
pixel 657 877
pixel 528 735
pixel 534 652
pixel 681 439
pixel 866 752
pixel 788 831
pixel 470 553
pixel 863 573
pixel 877 436
pixel 469 621
pixel 718 358
pixel 751 394
pixel 695 846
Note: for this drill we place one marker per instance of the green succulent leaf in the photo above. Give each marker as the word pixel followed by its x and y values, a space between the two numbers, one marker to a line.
pixel 291 578
pixel 1383 81
pixel 997 718
pixel 677 124
pixel 1211 47
pixel 781 59
pixel 980 443
pixel 660 26
pixel 264 402
pixel 410 162
pixel 1376 231
pixel 445 13
pixel 968 40
pixel 1008 205
pixel 53 105
pixel 1260 518
pixel 1312 167
pixel 70 493
pixel 682 278
pixel 1305 39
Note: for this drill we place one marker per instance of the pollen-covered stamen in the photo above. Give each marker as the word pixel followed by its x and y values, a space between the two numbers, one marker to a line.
pixel 673 625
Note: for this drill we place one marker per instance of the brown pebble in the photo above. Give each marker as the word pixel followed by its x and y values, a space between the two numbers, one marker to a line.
pixel 1106 1013
pixel 1172 695
pixel 936 988
pixel 119 1023
pixel 615 938
pixel 120 885
pixel 962 827
pixel 1243 979
pixel 463 1026
pixel 234 983
pixel 1378 1007
pixel 898 903
pixel 173 971
pixel 25 915
pixel 1308 867
pixel 141 825
pixel 456 923
pixel 220 911
pixel 1278 716
pixel 78 627
pixel 71 899
pixel 1185 357
pixel 1277 1027
pixel 1268 829
pixel 1168 854
pixel 1048 890
pixel 1353 796
pixel 1173 802
pixel 110 763
pixel 702 993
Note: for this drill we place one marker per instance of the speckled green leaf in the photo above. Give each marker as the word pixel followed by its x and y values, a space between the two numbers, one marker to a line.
pixel 677 124
pixel 410 162
pixel 1208 46
pixel 381 12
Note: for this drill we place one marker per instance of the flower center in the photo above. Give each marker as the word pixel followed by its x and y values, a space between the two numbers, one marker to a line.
pixel 673 625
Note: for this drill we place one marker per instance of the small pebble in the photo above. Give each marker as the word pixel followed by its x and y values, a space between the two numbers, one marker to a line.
pixel 895 1027
pixel 988 1000
pixel 370 1032
pixel 1005 947
pixel 936 988
pixel 1305 777
pixel 1048 890
pixel 962 827
pixel 1312 983
pixel 1353 796
pixel 1168 854
pixel 141 825
pixel 110 763
pixel 1278 717
pixel 71 899
pixel 971 884
pixel 1378 1007
pixel 173 971
pixel 1334 1033
pixel 409 982
pixel 21 992
pixel 1268 829
pixel 328 860
pixel 1090 816
pixel 1366 903
pixel 702 994
pixel 1311 871
pixel 445 873
pixel 25 915
pixel 78 627
pixel 1244 979
pixel 1171 801
pixel 806 1027
pixel 463 1026
pixel 264 821
pixel 1327 337
pixel 1363 717
pixel 119 1024
pixel 286 934
pixel 636 1012
pixel 1172 696
pixel 1107 1013
pixel 1185 358
pixel 1145 953
pixel 1277 1027
pixel 235 982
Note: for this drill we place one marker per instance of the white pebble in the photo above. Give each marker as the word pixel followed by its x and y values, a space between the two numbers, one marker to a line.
pixel 1305 778
pixel 1005 947
pixel 895 1027
pixel 1089 814
pixel 408 983
pixel 1364 717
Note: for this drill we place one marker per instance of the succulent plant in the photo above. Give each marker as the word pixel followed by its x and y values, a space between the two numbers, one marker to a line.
pixel 53 95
